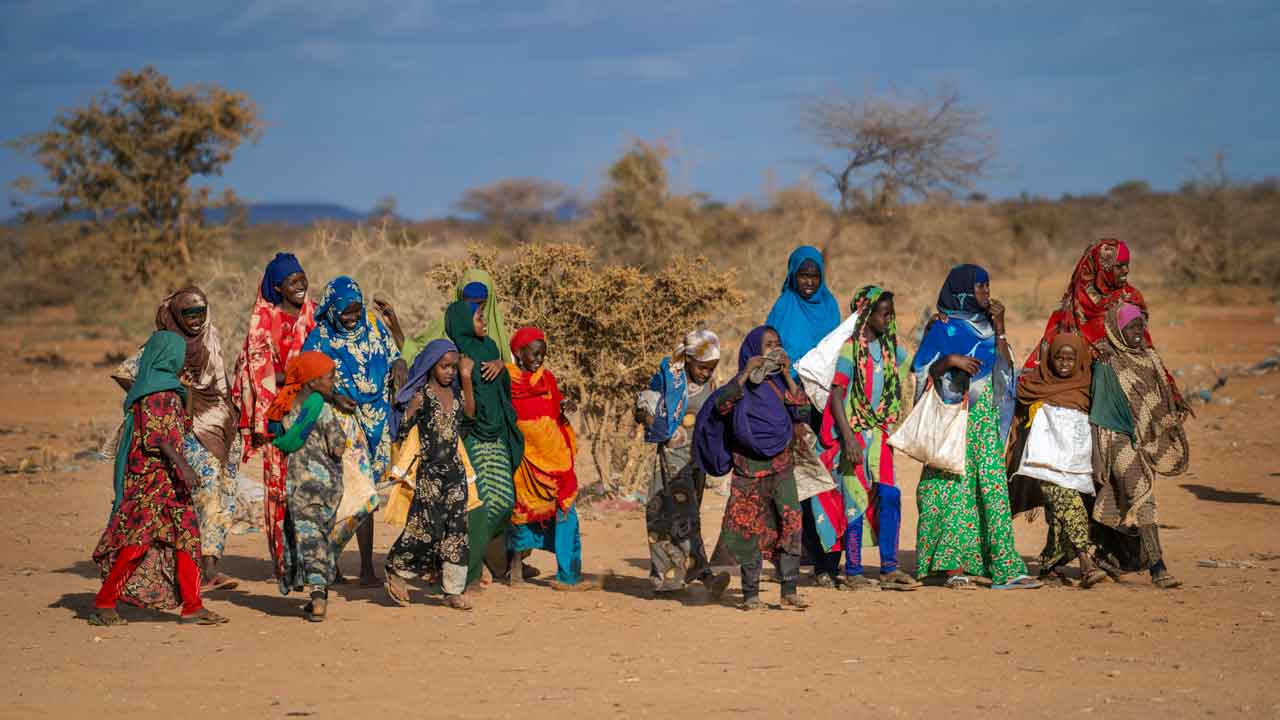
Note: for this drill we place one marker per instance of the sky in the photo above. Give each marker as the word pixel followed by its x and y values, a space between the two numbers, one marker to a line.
pixel 422 99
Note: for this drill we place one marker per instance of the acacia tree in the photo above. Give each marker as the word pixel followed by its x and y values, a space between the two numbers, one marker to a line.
pixel 635 220
pixel 126 160
pixel 898 144
pixel 515 204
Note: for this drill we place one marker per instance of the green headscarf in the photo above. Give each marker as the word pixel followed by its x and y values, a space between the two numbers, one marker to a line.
pixel 492 317
pixel 495 415
pixel 158 368
pixel 861 415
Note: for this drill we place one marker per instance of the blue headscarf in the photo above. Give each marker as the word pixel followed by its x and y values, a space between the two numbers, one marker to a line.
pixel 419 373
pixel 672 386
pixel 802 323
pixel 281 267
pixel 760 424
pixel 475 293
pixel 363 355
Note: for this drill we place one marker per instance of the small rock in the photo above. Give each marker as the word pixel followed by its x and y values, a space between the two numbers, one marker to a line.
pixel 1226 400
pixel 1113 673
pixel 1267 615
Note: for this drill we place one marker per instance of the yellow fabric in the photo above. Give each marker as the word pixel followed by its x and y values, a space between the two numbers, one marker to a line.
pixel 545 453
pixel 404 461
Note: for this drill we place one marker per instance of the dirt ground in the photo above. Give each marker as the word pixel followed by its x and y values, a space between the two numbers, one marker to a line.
pixel 1120 650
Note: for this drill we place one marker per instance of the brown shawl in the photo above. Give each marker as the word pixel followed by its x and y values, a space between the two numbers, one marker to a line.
pixel 214 417
pixel 1042 385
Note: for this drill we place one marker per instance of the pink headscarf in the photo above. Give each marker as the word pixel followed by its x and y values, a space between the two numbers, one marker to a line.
pixel 1126 313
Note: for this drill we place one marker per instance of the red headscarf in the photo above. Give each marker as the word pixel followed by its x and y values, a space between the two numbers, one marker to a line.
pixel 524 336
pixel 1095 286
pixel 301 370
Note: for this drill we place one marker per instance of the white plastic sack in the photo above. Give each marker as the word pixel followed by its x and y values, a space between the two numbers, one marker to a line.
pixel 818 366
pixel 934 432
pixel 1059 449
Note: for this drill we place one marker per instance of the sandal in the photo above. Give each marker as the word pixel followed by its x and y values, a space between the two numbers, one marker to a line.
pixel 824 580
pixel 219 582
pixel 856 583
pixel 751 603
pixel 959 582
pixel 1092 578
pixel 1166 582
pixel 899 581
pixel 204 617
pixel 793 601
pixel 106 617
pixel 1022 582
pixel 457 602
pixel 317 609
pixel 397 590
pixel 1056 577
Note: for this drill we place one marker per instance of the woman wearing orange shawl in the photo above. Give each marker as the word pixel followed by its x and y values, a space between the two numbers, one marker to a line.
pixel 544 517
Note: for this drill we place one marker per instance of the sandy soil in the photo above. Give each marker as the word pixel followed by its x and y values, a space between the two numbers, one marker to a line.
pixel 1121 650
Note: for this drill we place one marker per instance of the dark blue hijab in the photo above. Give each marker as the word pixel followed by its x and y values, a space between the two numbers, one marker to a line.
pixel 759 425
pixel 281 267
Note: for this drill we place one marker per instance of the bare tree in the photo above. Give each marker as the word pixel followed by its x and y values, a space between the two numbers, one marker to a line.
pixel 899 144
pixel 514 204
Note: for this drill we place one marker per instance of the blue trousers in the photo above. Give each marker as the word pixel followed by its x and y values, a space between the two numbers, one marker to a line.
pixel 889 506
pixel 560 536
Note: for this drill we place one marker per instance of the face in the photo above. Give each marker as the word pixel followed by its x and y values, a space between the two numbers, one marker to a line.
pixel 808 279
pixel 294 289
pixel 324 384
pixel 192 313
pixel 1122 272
pixel 700 371
pixel 350 318
pixel 881 316
pixel 1064 361
pixel 770 341
pixel 1134 331
pixel 531 356
pixel 982 293
pixel 477 319
pixel 446 369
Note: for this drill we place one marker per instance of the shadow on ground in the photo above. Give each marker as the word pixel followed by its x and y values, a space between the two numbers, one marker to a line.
pixel 1212 494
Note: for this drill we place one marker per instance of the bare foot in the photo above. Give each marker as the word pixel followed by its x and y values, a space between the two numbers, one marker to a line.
pixel 204 617
pixel 397 590
pixel 219 582
pixel 106 617
pixel 457 602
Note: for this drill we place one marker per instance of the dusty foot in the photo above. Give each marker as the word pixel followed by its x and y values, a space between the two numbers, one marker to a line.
pixel 397 590
pixel 204 617
pixel 219 582
pixel 899 581
pixel 457 602
pixel 859 583
pixel 751 603
pixel 716 584
pixel 106 617
pixel 794 602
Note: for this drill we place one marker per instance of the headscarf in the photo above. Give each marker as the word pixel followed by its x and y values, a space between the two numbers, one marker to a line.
pixel 363 355
pixel 671 383
pixel 495 416
pixel 301 370
pixel 158 368
pixel 497 327
pixel 419 373
pixel 803 323
pixel 1043 384
pixel 214 418
pixel 759 424
pixel 968 329
pixel 525 336
pixel 1095 286
pixel 1126 314
pixel 278 270
pixel 861 415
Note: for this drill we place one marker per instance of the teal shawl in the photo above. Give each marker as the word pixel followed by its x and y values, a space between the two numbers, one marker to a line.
pixel 158 368
pixel 290 441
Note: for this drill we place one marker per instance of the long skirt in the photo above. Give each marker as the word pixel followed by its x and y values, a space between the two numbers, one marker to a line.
pixel 1068 534
pixel 215 494
pixel 965 524
pixel 492 464
pixel 673 520
pixel 433 545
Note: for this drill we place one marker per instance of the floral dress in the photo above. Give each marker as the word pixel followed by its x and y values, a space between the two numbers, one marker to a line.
pixel 314 484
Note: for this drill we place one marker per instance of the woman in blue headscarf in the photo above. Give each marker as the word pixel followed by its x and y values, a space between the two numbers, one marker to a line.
pixel 369 368
pixel 806 311
pixel 965 527
pixel 747 427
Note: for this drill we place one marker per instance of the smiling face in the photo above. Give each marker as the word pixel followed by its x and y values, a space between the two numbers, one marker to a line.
pixel 1122 272
pixel 1134 332
pixel 350 317
pixel 1064 361
pixel 294 289
pixel 700 371
pixel 477 321
pixel 881 315
pixel 445 370
pixel 808 279
pixel 192 313
pixel 531 356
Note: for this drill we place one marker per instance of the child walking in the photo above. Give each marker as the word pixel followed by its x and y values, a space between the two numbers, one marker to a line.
pixel 306 430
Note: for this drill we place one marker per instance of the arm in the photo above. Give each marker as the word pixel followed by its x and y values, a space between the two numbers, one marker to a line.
pixel 179 464
pixel 466 367
pixel 786 375
pixel 997 324
pixel 392 320
pixel 848 443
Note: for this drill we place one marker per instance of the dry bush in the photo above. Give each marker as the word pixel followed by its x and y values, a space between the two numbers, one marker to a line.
pixel 608 327
pixel 635 220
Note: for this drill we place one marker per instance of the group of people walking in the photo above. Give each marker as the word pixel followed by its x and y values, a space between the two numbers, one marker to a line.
pixel 470 428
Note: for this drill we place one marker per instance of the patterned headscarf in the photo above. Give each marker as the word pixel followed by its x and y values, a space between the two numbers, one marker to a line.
pixel 862 415
pixel 699 346
pixel 215 420
pixel 364 354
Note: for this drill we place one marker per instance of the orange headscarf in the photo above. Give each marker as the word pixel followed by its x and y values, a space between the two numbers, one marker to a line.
pixel 301 370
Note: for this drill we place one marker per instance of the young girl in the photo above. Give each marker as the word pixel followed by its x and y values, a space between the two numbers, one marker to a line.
pixel 1137 421
pixel 673 512
pixel 544 517
pixel 492 440
pixel 746 427
pixel 965 526
pixel 1057 453
pixel 866 397
pixel 433 544
pixel 307 430
pixel 149 551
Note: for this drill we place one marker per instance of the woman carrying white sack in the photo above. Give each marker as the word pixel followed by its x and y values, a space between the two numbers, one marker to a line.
pixel 1050 456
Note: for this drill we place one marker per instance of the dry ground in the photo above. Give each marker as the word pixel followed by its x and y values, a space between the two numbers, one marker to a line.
pixel 1122 650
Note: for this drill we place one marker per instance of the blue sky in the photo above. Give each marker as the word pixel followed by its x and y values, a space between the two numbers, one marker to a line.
pixel 422 99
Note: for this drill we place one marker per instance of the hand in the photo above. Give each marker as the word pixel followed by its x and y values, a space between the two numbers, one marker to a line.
pixel 850 448
pixel 940 317
pixel 1184 410
pixel 399 374
pixel 966 364
pixel 466 366
pixel 491 370
pixel 784 362
pixel 344 403
pixel 411 410
pixel 257 440
pixel 387 312
pixel 754 364
pixel 642 417
pixel 996 310
pixel 188 477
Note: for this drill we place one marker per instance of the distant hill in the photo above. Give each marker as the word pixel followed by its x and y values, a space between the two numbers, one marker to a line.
pixel 282 213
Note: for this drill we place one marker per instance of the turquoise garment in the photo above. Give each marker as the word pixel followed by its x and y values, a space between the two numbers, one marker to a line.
pixel 560 536
pixel 800 322
pixel 289 441
pixel 162 359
